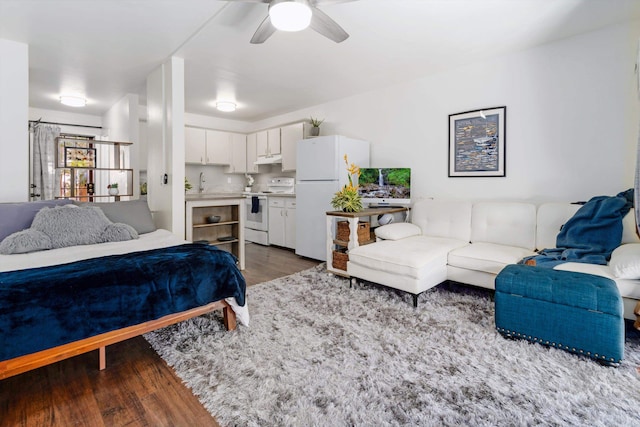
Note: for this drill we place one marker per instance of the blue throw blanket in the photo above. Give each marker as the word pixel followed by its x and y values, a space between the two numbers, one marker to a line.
pixel 590 236
pixel 45 307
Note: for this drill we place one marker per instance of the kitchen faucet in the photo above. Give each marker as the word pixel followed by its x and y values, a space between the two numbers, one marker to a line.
pixel 202 181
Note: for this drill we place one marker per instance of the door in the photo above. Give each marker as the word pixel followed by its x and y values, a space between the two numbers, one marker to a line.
pixel 252 152
pixel 313 200
pixel 290 224
pixel 318 159
pixel 238 153
pixel 257 219
pixel 276 221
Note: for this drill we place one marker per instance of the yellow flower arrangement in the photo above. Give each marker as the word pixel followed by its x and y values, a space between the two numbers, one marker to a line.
pixel 348 199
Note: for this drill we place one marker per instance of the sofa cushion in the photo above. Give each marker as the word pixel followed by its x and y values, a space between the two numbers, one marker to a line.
pixel 135 213
pixel 19 216
pixel 443 218
pixel 487 257
pixel 397 231
pixel 629 233
pixel 411 257
pixel 551 217
pixel 504 223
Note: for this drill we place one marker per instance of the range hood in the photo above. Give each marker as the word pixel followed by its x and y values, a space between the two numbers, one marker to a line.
pixel 264 160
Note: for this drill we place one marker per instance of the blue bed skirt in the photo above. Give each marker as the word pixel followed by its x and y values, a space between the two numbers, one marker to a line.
pixel 46 307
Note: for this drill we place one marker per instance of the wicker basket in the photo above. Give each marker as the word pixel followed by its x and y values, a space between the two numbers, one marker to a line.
pixel 340 260
pixel 343 232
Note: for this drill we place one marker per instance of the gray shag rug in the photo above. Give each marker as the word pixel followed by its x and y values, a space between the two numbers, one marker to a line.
pixel 320 353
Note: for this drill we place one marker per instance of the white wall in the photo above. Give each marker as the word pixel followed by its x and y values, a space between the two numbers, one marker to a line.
pixel 14 111
pixel 572 120
pixel 121 123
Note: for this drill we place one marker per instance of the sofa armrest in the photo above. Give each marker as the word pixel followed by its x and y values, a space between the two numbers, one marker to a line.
pixel 397 231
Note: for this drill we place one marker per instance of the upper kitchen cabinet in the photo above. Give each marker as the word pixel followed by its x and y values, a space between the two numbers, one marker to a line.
pixel 210 147
pixel 289 137
pixel 252 153
pixel 268 142
pixel 195 145
pixel 238 154
pixel 218 147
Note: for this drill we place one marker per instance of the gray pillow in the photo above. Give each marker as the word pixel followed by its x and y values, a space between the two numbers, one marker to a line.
pixel 66 226
pixel 25 241
pixel 136 213
pixel 18 216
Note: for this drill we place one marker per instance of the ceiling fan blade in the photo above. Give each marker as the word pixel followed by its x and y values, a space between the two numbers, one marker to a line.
pixel 316 3
pixel 326 26
pixel 264 31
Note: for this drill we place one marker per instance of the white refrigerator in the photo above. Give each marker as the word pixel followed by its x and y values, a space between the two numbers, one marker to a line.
pixel 320 173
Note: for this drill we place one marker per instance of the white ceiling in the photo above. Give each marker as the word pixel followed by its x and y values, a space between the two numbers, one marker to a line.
pixel 104 49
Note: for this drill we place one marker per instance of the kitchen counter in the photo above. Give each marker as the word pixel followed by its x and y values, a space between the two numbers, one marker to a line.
pixel 211 196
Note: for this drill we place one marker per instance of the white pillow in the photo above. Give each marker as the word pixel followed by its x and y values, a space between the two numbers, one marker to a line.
pixel 397 231
pixel 625 261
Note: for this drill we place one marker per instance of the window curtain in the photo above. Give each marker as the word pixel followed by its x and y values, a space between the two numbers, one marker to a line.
pixel 44 158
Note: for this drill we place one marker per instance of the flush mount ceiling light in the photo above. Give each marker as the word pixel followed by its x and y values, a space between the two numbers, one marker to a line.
pixel 73 101
pixel 226 106
pixel 290 15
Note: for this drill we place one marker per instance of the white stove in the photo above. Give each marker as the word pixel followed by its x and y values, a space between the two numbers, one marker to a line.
pixel 257 210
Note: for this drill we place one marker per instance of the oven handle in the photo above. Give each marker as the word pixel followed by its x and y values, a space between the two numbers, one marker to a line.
pixel 259 197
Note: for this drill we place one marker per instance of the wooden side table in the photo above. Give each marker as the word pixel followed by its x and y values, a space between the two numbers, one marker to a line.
pixel 636 311
pixel 353 218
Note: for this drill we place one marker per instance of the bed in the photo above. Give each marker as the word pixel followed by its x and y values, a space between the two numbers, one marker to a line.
pixel 64 301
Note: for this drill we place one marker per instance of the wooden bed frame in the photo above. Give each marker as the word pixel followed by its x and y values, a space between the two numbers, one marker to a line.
pixel 18 365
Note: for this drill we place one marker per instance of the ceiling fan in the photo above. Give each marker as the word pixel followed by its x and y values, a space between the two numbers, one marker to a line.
pixel 296 15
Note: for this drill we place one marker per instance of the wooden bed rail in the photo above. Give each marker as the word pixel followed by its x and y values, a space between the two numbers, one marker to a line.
pixel 18 365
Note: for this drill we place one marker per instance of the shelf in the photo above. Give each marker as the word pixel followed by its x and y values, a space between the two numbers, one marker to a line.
pixel 215 224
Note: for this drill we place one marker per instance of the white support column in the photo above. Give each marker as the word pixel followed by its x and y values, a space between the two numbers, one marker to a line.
pixel 14 121
pixel 165 145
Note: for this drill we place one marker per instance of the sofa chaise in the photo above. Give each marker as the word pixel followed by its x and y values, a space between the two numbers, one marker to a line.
pixel 471 242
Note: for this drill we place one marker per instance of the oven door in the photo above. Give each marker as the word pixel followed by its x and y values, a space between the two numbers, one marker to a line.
pixel 257 214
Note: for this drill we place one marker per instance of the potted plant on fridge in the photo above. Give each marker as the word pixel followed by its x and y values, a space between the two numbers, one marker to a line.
pixel 315 126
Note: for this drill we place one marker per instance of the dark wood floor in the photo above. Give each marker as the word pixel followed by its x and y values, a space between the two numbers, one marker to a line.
pixel 136 389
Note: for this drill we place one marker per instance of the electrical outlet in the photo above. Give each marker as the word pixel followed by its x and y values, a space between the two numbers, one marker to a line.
pixel 228 180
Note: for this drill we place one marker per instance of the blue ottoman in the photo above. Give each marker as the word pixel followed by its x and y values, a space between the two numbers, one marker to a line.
pixel 577 312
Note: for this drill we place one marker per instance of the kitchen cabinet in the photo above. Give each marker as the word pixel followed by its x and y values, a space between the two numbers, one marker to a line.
pixel 195 145
pixel 207 147
pixel 238 154
pixel 282 221
pixel 268 142
pixel 227 233
pixel 252 153
pixel 289 137
pixel 218 147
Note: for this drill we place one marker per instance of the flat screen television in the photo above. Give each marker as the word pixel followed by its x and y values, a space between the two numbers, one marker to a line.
pixel 385 186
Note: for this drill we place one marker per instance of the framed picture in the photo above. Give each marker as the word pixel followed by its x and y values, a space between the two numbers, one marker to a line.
pixel 78 157
pixel 477 143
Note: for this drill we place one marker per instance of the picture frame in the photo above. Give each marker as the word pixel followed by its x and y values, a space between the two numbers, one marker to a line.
pixel 79 157
pixel 477 143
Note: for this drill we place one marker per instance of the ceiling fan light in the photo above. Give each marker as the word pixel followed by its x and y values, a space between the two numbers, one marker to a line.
pixel 290 15
pixel 73 101
pixel 226 106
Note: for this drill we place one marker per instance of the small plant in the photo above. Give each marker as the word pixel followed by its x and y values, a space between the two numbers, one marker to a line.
pixel 187 184
pixel 316 122
pixel 348 199
pixel 114 185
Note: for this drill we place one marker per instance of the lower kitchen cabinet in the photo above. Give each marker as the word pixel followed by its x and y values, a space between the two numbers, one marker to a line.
pixel 226 232
pixel 282 222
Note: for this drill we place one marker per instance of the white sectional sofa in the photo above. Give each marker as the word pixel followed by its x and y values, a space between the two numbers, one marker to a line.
pixel 471 243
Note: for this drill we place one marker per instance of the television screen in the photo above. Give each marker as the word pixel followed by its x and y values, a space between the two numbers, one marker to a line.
pixel 385 186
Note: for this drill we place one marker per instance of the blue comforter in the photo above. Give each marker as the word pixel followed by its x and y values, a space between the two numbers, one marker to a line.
pixel 45 307
pixel 591 234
